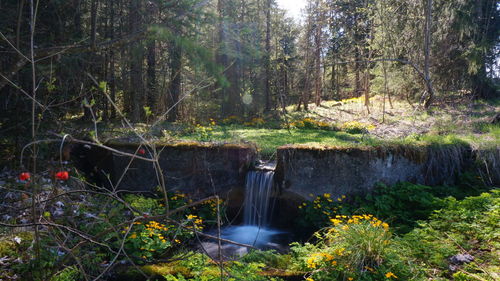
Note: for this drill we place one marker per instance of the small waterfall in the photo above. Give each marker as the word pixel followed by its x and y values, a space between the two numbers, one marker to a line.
pixel 258 190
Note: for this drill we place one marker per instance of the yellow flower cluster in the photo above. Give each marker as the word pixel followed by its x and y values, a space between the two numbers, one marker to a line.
pixel 316 258
pixel 203 128
pixel 324 203
pixel 357 219
pixel 178 196
pixel 255 122
pixel 231 120
pixel 197 221
pixel 356 126
pixel 152 227
pixel 212 203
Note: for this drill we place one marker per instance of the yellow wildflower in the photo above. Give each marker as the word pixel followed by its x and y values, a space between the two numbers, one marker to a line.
pixel 385 226
pixel 369 268
pixel 390 275
pixel 335 221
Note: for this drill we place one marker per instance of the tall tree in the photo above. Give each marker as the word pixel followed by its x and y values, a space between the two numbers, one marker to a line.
pixel 136 63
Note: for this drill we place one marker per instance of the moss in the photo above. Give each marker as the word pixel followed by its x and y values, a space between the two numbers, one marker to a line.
pixel 173 268
pixel 181 144
pixel 8 247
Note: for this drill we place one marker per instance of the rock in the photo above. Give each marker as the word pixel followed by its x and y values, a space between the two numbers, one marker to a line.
pixel 457 260
pixel 59 204
pixel 461 259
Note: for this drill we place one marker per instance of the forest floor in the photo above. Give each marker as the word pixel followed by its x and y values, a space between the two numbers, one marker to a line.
pixel 348 123
pixel 338 123
pixel 401 119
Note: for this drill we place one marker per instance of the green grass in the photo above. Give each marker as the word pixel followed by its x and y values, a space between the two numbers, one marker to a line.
pixel 267 140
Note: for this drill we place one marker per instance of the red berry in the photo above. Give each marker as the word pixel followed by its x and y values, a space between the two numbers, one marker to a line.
pixel 63 175
pixel 24 176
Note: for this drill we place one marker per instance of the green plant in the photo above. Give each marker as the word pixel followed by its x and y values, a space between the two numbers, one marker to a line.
pixel 148 241
pixel 70 273
pixel 199 267
pixel 270 258
pixel 316 214
pixel 468 225
pixel 359 247
pixel 143 204
pixel 309 123
pixel 402 204
pixel 205 133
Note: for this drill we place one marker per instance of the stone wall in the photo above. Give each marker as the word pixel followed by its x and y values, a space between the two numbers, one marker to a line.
pixel 347 171
pixel 197 169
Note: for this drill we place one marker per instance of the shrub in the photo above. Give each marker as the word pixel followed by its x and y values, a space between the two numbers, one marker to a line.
pixel 309 123
pixel 358 247
pixel 255 122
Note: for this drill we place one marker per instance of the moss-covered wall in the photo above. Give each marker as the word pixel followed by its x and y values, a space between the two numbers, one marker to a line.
pixel 196 169
pixel 346 171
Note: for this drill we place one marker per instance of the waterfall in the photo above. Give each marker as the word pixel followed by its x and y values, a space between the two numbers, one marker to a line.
pixel 258 190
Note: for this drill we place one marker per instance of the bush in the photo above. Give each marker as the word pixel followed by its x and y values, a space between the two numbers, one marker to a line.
pixel 356 247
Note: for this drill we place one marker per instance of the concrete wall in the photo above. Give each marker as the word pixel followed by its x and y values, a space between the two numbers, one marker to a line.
pixel 197 169
pixel 347 171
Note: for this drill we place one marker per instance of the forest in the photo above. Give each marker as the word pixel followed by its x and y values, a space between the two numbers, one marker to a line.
pixel 235 140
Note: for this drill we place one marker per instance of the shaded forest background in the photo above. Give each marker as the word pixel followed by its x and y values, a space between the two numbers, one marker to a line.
pixel 187 60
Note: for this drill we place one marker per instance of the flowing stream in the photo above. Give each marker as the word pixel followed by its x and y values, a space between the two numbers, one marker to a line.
pixel 258 190
pixel 257 214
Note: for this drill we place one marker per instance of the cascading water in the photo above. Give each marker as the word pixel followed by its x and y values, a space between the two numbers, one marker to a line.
pixel 258 190
pixel 257 213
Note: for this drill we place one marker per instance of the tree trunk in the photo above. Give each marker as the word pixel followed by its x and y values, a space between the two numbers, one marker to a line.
pixel 175 81
pixel 152 84
pixel 111 73
pixel 136 64
pixel 268 56
pixel 93 22
pixel 427 47
pixel 221 57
